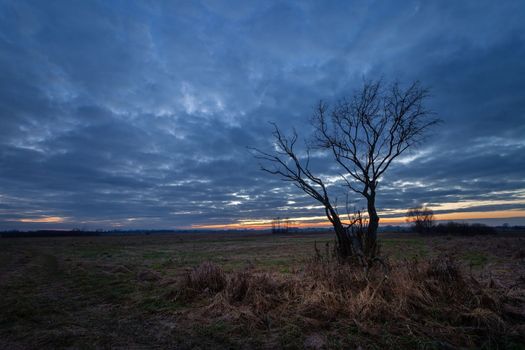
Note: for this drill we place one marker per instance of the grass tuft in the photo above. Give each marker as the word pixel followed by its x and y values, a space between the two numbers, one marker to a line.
pixel 205 278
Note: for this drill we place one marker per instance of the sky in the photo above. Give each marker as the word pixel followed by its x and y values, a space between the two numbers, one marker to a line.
pixel 139 114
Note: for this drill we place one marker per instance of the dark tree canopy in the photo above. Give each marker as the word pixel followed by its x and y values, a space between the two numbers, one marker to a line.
pixel 422 218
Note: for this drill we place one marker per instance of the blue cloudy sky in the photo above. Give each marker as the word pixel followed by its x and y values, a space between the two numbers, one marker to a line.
pixel 138 114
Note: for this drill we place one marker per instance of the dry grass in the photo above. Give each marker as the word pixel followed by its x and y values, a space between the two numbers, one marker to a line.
pixel 431 301
pixel 205 278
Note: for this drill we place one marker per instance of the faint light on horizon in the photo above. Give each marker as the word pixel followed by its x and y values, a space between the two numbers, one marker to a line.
pixel 46 219
pixel 321 221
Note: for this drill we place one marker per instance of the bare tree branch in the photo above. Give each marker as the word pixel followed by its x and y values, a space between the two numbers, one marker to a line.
pixel 365 134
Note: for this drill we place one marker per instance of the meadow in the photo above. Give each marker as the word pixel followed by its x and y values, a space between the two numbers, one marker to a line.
pixel 255 290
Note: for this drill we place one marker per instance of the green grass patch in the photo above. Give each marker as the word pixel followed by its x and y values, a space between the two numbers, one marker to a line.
pixel 291 336
pixel 475 259
pixel 105 286
pixel 405 248
pixel 158 303
pixel 153 255
pixel 214 335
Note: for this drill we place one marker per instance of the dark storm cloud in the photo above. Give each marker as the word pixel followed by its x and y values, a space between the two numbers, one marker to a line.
pixel 139 114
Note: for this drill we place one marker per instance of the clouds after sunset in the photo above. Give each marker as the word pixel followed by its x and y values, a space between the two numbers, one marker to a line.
pixel 117 114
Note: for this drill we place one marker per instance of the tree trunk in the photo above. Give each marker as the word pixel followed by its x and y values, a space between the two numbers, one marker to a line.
pixel 344 245
pixel 344 249
pixel 373 224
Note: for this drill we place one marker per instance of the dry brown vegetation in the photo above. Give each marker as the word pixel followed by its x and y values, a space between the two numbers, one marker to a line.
pixel 259 291
pixel 432 301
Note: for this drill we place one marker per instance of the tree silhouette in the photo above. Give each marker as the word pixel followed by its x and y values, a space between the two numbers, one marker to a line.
pixel 422 218
pixel 364 134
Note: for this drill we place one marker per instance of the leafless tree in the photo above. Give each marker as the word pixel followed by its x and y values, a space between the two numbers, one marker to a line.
pixel 422 218
pixel 290 168
pixel 364 134
pixel 367 132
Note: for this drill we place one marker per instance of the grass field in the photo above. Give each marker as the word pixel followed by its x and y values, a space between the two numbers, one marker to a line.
pixel 132 292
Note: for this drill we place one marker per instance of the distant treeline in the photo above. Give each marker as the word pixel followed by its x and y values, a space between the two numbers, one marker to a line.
pixel 466 229
pixel 449 228
pixel 462 229
pixel 49 233
pixel 77 233
pixel 88 233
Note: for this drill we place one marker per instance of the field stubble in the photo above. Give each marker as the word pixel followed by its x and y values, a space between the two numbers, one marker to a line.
pixel 258 291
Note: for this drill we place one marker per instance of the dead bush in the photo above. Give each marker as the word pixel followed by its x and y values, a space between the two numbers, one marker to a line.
pixel 207 277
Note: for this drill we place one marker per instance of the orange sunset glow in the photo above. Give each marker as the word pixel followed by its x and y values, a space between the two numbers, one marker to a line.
pixel 46 219
pixel 322 222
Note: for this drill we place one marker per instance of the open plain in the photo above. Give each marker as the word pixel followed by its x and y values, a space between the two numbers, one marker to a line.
pixel 254 290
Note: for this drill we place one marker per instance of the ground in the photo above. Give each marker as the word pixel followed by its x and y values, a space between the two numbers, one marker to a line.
pixel 124 291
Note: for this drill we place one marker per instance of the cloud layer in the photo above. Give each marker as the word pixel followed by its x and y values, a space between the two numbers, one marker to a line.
pixel 120 114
